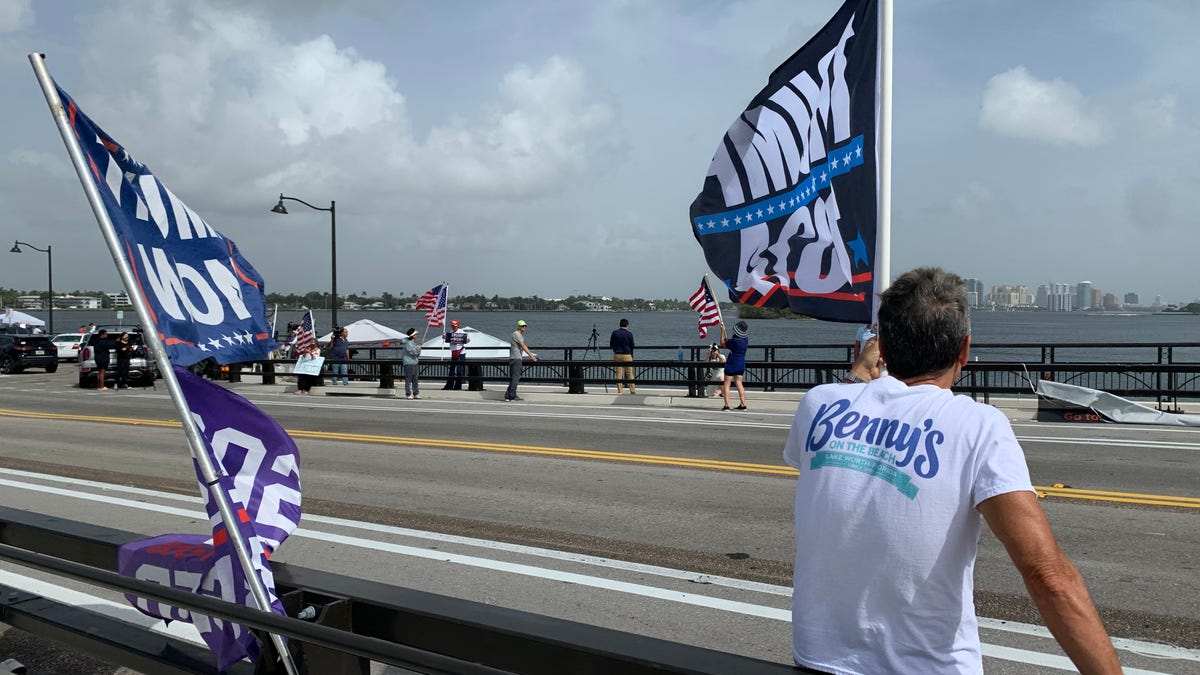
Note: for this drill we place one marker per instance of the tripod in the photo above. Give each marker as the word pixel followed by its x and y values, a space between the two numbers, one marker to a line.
pixel 592 342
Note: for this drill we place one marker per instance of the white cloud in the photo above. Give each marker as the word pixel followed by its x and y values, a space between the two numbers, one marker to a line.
pixel 15 15
pixel 1019 105
pixel 1159 115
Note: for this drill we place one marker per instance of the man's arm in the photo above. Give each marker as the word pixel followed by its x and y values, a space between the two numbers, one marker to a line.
pixel 1052 580
pixel 524 348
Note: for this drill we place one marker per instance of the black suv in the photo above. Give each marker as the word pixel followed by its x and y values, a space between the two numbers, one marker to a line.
pixel 20 351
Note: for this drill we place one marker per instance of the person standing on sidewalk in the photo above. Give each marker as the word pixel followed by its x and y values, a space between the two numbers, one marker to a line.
pixel 621 343
pixel 339 350
pixel 516 349
pixel 412 365
pixel 735 365
pixel 457 341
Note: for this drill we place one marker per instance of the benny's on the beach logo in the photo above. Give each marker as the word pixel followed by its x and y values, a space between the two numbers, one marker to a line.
pixel 878 446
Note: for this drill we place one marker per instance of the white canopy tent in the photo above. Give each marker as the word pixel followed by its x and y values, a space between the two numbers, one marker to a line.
pixel 367 333
pixel 12 316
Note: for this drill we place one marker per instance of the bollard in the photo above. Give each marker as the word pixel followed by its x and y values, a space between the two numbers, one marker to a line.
pixel 575 380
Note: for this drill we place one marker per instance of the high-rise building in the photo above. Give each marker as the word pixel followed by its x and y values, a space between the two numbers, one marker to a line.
pixel 1083 297
pixel 1061 298
pixel 974 289
pixel 1110 301
pixel 1131 299
pixel 1097 299
pixel 1043 296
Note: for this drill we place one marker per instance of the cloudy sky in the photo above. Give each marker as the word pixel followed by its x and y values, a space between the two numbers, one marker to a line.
pixel 553 147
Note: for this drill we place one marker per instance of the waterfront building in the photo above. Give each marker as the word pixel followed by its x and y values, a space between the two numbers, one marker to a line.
pixel 1083 295
pixel 974 288
pixel 1061 298
pixel 1043 296
pixel 119 299
pixel 1131 299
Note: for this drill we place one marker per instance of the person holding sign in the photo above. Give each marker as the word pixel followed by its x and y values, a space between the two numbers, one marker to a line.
pixel 308 368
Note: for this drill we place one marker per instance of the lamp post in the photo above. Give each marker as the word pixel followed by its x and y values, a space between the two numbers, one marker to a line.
pixel 280 208
pixel 49 280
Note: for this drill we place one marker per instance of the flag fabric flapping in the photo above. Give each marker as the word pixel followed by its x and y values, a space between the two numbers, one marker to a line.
pixel 788 214
pixel 433 302
pixel 306 335
pixel 206 300
pixel 261 478
pixel 710 312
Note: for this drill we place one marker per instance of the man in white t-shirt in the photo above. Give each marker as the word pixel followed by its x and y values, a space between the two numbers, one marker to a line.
pixel 897 476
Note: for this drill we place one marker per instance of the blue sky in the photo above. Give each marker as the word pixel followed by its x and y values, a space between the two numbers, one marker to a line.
pixel 551 148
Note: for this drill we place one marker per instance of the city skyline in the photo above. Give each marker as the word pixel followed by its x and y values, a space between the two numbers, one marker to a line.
pixel 553 149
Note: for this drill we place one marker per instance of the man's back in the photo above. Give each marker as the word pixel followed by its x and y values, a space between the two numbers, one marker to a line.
pixel 886 525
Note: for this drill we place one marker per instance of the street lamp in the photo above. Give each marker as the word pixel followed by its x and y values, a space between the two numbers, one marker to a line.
pixel 280 208
pixel 49 281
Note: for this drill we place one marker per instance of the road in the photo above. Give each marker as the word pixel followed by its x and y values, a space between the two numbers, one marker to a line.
pixel 667 520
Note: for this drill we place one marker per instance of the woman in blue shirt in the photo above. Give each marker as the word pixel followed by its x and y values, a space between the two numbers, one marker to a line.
pixel 735 365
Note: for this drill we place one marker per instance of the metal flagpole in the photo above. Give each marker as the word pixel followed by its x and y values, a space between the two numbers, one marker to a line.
pixel 883 250
pixel 191 432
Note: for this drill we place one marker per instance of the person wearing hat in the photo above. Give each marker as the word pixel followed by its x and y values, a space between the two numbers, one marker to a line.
pixel 735 365
pixel 411 358
pixel 516 348
pixel 457 341
pixel 716 367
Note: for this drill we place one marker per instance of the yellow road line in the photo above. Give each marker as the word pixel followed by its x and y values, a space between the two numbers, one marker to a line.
pixel 687 462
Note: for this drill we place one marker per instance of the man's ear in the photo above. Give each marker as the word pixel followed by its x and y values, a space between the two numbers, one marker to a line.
pixel 964 355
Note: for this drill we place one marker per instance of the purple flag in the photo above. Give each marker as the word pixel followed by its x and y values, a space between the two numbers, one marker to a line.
pixel 261 477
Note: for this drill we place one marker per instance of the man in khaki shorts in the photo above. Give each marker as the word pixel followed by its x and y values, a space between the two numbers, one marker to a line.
pixel 621 344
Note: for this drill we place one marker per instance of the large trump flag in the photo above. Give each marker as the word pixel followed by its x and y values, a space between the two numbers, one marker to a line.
pixel 206 300
pixel 788 216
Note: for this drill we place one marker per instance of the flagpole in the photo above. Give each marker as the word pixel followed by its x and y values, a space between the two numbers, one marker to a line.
pixel 195 441
pixel 883 245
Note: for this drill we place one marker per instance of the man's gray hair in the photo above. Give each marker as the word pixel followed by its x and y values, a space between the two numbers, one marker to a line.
pixel 923 320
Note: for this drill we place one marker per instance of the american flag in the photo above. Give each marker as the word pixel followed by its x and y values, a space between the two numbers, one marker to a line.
pixel 429 299
pixel 710 312
pixel 437 312
pixel 306 337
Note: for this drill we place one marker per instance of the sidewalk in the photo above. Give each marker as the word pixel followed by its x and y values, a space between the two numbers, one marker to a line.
pixel 596 396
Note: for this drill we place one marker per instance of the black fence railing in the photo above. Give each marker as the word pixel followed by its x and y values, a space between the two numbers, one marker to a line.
pixel 1164 373
pixel 351 622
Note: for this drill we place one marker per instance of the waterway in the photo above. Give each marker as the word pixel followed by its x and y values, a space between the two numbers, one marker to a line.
pixel 670 329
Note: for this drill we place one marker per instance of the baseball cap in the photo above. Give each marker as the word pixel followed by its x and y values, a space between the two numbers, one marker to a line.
pixel 522 323
pixel 454 322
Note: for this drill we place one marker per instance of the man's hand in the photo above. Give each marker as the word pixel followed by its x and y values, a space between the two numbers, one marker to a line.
pixel 868 363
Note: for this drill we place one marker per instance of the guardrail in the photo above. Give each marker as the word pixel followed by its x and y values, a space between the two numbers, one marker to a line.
pixel 354 622
pixel 1164 379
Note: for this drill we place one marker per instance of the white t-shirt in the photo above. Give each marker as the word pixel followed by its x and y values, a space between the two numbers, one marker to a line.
pixel 886 525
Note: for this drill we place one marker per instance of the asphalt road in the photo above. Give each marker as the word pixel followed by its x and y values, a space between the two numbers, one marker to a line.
pixel 507 488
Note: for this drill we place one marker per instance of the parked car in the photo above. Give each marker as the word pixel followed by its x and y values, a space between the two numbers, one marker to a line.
pixel 21 351
pixel 142 369
pixel 68 345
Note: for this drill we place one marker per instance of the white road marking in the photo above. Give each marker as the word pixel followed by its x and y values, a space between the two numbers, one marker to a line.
pixel 1135 646
pixel 114 610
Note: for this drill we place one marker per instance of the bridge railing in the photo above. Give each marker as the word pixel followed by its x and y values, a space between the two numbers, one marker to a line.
pixel 1163 373
pixel 351 622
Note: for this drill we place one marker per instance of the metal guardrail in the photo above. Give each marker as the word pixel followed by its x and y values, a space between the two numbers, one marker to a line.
pixel 355 621
pixel 1163 380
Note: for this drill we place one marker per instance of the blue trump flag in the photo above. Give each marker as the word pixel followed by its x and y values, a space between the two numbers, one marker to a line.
pixel 206 300
pixel 789 211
